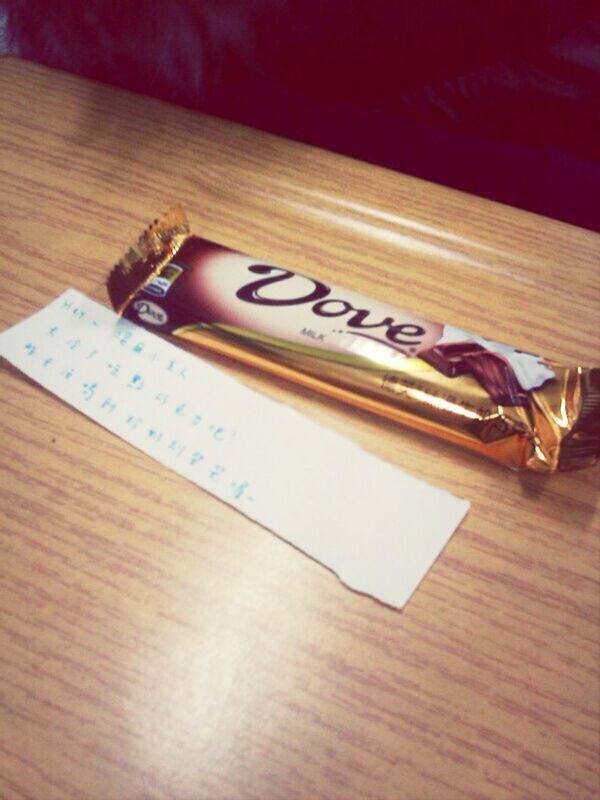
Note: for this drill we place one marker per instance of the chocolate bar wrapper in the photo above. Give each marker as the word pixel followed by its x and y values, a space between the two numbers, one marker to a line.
pixel 522 410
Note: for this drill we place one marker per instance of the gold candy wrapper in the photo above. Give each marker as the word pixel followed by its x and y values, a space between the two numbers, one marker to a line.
pixel 519 409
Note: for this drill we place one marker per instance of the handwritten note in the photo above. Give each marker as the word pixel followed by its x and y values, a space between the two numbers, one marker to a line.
pixel 376 527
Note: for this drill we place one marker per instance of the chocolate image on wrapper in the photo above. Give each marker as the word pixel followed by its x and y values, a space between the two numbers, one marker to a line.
pixel 516 408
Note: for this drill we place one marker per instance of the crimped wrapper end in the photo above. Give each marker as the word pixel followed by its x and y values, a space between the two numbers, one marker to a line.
pixel 581 446
pixel 143 261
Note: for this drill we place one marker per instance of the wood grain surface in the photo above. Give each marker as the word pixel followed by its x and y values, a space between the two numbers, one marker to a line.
pixel 154 643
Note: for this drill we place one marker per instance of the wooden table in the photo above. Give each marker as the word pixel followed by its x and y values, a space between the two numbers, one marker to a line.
pixel 155 643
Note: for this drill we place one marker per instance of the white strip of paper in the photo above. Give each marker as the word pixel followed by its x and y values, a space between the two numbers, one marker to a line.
pixel 376 527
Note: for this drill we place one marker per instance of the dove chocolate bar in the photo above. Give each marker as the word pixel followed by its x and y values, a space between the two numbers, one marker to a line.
pixel 519 409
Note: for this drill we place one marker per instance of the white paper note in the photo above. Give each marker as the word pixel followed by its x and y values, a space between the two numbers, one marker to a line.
pixel 376 527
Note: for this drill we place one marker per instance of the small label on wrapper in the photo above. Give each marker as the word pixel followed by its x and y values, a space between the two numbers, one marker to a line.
pixel 376 527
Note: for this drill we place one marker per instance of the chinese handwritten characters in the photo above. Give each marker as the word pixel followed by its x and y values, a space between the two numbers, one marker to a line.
pixel 129 380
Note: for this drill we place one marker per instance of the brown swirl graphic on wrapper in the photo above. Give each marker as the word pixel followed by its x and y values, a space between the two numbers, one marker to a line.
pixel 491 370
pixel 507 374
